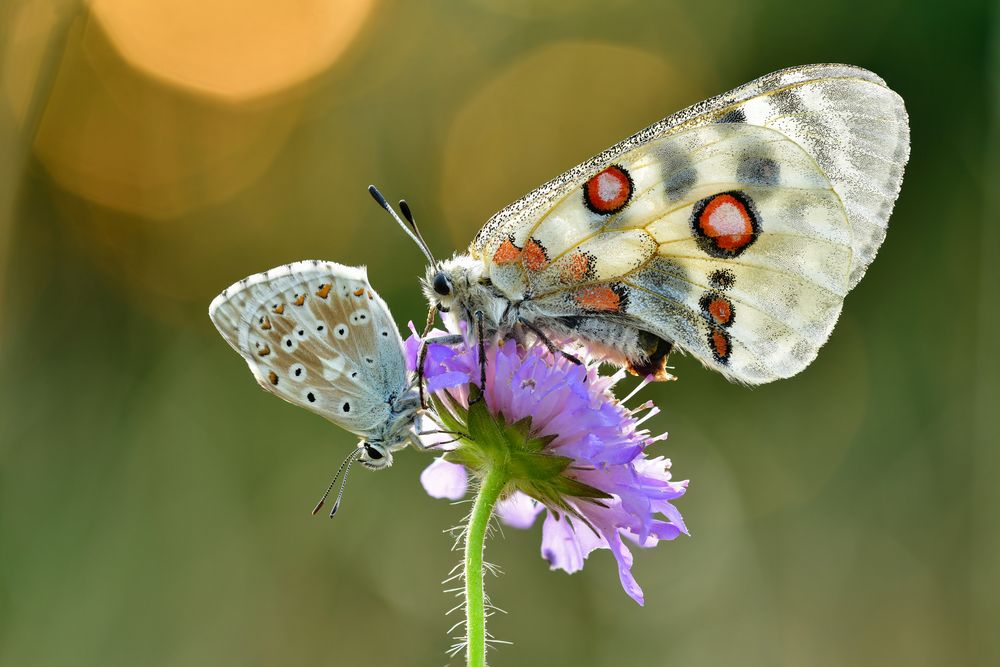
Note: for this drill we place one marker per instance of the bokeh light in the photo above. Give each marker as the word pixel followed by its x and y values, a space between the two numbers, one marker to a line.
pixel 154 503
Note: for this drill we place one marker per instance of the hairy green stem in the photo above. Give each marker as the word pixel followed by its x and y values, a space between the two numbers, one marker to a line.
pixel 475 536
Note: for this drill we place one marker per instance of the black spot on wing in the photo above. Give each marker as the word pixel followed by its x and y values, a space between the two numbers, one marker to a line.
pixel 758 170
pixel 733 116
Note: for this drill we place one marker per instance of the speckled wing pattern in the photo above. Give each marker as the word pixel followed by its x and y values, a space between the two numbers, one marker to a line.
pixel 317 335
pixel 734 228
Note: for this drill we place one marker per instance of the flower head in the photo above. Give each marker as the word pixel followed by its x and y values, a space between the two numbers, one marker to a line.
pixel 572 450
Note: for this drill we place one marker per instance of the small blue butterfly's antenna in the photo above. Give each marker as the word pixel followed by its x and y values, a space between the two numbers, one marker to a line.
pixel 351 458
pixel 415 234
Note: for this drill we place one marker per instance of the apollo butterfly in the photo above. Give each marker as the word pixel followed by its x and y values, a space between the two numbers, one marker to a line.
pixel 731 230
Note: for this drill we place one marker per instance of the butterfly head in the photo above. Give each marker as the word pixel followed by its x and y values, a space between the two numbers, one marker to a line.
pixel 375 455
pixel 460 286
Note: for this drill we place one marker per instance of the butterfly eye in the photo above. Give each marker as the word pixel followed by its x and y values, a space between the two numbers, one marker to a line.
pixel 442 285
pixel 372 452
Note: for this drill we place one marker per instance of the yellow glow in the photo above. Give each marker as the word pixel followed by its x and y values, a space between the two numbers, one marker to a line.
pixel 234 49
pixel 114 136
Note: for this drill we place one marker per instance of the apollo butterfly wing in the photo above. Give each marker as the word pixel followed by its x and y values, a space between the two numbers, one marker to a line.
pixel 317 335
pixel 734 228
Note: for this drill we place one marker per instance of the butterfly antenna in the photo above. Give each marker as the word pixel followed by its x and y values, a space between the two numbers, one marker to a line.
pixel 346 464
pixel 408 214
pixel 343 485
pixel 377 196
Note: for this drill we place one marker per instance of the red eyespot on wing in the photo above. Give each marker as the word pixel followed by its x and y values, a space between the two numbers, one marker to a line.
pixel 721 346
pixel 506 253
pixel 717 309
pixel 608 191
pixel 721 311
pixel 535 257
pixel 600 298
pixel 725 224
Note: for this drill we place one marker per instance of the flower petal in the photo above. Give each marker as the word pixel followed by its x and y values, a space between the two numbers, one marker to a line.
pixel 519 510
pixel 443 479
pixel 566 544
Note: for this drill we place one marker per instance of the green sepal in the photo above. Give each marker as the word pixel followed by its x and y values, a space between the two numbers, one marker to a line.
pixel 496 443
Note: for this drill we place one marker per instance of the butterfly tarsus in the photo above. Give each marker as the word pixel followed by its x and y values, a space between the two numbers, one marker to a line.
pixel 451 339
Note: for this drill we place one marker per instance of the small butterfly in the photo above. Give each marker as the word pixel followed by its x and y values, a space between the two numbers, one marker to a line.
pixel 731 230
pixel 317 335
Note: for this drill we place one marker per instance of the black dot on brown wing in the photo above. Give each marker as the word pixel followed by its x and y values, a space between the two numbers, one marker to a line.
pixel 311 397
pixel 346 407
pixel 758 170
pixel 722 279
pixel 608 191
pixel 733 116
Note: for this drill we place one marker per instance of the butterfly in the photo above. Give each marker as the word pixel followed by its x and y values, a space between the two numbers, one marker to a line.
pixel 317 335
pixel 731 230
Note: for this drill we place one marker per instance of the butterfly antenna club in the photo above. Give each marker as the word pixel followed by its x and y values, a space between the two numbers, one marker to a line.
pixel 381 201
pixel 408 214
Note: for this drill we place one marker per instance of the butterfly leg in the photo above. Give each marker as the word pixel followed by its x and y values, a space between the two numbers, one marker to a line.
pixel 422 356
pixel 482 356
pixel 553 349
pixel 453 339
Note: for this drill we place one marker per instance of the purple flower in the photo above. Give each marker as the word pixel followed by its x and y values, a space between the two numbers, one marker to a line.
pixel 604 493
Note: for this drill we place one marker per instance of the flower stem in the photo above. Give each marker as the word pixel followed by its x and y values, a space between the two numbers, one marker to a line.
pixel 475 536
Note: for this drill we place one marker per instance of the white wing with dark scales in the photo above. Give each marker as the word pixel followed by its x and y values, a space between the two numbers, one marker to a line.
pixel 734 228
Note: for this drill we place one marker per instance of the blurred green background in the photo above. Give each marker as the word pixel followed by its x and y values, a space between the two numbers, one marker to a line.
pixel 154 503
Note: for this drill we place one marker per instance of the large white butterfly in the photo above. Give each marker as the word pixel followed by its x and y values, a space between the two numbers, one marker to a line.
pixel 732 230
pixel 317 335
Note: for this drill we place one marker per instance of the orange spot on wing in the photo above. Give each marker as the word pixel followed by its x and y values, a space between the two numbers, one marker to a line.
pixel 506 253
pixel 273 377
pixel 534 256
pixel 264 351
pixel 279 309
pixel 371 297
pixel 266 324
pixel 324 290
pixel 576 269
pixel 599 298
pixel 299 300
pixel 359 291
pixel 721 344
pixel 720 310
